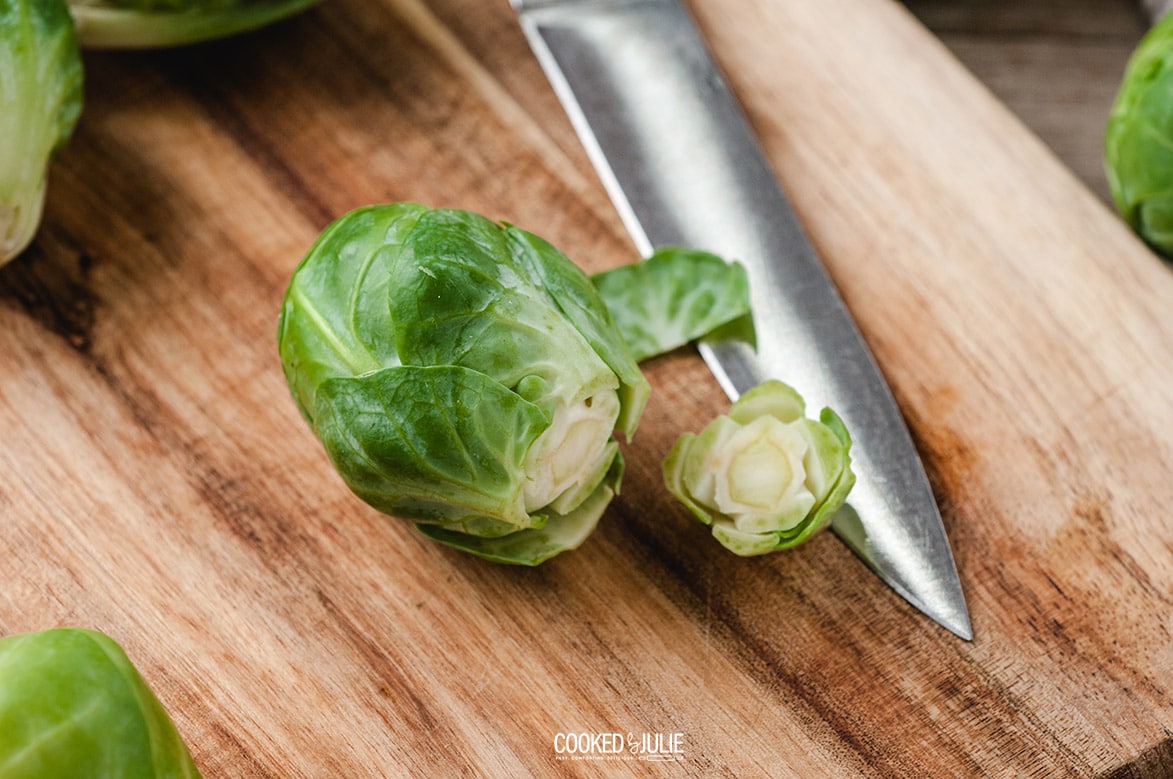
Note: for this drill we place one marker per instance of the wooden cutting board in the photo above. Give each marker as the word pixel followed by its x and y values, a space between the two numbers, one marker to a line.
pixel 160 486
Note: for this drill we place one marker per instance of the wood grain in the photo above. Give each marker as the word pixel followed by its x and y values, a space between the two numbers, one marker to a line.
pixel 160 486
pixel 1056 64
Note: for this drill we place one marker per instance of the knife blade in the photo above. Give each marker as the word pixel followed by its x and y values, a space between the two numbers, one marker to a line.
pixel 682 166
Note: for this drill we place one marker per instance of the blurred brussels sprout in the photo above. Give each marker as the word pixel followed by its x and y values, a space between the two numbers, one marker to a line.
pixel 764 477
pixel 1138 140
pixel 72 705
pixel 138 24
pixel 40 100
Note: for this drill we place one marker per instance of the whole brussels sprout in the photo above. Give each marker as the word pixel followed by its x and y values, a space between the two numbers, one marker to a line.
pixel 1138 140
pixel 462 374
pixel 764 477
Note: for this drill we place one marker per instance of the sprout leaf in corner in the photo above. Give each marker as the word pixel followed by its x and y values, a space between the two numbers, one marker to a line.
pixel 462 374
pixel 72 704
pixel 40 101
pixel 764 477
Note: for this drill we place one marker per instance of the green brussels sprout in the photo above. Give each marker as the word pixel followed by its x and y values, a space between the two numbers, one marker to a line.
pixel 72 705
pixel 674 297
pixel 462 374
pixel 40 100
pixel 1138 140
pixel 139 24
pixel 764 477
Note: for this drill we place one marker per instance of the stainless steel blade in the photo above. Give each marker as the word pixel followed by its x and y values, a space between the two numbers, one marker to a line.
pixel 683 167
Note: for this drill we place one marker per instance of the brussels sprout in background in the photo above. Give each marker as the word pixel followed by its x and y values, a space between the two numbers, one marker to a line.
pixel 40 100
pixel 1138 140
pixel 764 477
pixel 138 24
pixel 73 705
pixel 462 374
pixel 677 296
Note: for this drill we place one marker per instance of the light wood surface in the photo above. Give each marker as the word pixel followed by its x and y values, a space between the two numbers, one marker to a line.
pixel 160 486
pixel 1056 64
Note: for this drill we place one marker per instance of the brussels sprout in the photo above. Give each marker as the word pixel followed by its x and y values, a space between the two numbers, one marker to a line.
pixel 139 24
pixel 1138 140
pixel 462 374
pixel 676 296
pixel 764 477
pixel 40 100
pixel 72 705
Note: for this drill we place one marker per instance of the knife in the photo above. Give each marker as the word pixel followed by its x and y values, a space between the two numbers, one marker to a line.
pixel 681 164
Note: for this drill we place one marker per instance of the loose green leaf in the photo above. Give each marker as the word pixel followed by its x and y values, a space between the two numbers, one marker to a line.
pixel 140 24
pixel 674 297
pixel 40 100
pixel 73 705
pixel 1138 140
pixel 764 477
pixel 462 374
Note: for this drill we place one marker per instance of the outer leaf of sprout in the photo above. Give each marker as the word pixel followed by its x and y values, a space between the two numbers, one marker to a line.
pixel 560 533
pixel 771 398
pixel 441 444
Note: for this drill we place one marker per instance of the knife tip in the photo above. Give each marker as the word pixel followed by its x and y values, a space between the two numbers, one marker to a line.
pixel 948 609
pixel 920 569
pixel 962 628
